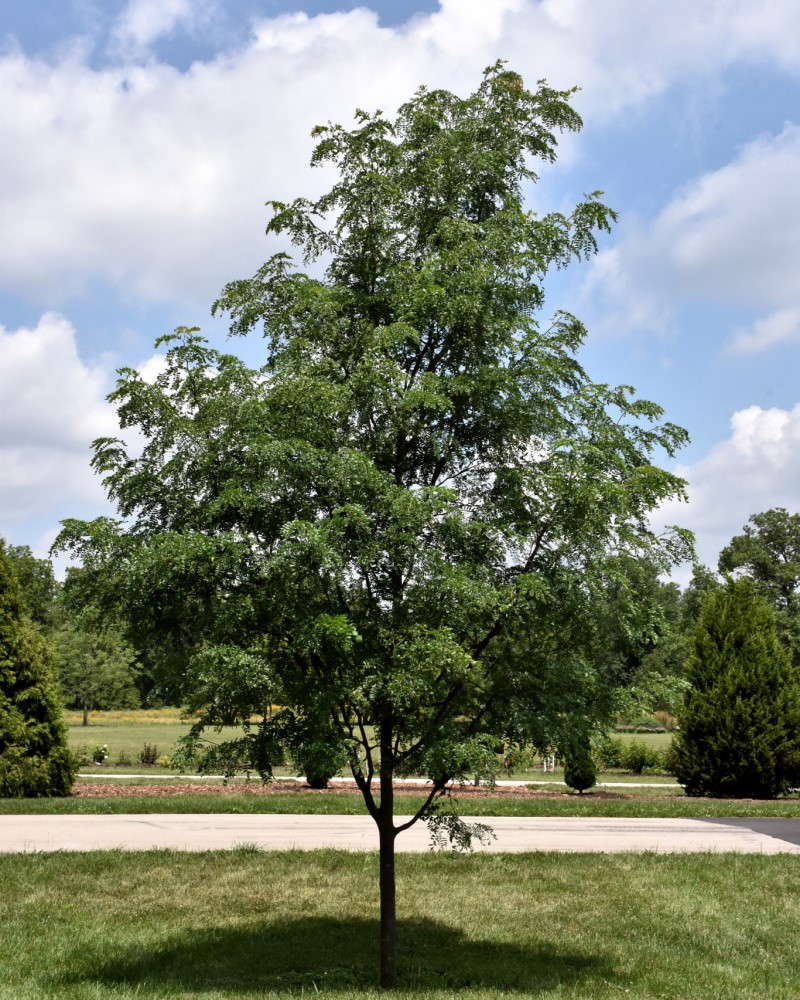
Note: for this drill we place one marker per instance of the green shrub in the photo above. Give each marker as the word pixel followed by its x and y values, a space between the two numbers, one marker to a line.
pixel 34 757
pixel 638 757
pixel 608 751
pixel 580 772
pixel 149 755
pixel 740 724
pixel 123 759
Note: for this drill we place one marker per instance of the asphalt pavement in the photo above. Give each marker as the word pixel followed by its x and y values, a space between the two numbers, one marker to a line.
pixel 214 831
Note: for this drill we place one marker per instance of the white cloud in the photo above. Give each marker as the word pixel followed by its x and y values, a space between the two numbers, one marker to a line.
pixel 52 405
pixel 150 180
pixel 143 22
pixel 781 327
pixel 756 468
pixel 731 237
pixel 735 233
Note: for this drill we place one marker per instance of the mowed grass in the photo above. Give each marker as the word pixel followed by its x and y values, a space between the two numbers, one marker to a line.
pixel 245 924
pixel 349 804
pixel 126 732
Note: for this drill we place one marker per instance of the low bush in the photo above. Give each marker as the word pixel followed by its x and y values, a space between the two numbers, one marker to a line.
pixel 634 756
pixel 149 755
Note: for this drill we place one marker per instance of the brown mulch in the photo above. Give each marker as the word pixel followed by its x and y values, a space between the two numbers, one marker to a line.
pixel 97 789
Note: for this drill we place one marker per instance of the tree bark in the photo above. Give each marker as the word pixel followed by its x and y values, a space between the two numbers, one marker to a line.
pixel 85 713
pixel 386 838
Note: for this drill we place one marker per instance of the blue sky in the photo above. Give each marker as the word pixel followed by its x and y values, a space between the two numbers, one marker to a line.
pixel 141 139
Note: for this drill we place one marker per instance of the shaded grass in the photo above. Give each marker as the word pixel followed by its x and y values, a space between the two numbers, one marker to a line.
pixel 242 924
pixel 352 804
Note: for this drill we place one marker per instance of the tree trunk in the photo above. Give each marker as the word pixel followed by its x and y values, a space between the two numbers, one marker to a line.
pixel 386 837
pixel 86 713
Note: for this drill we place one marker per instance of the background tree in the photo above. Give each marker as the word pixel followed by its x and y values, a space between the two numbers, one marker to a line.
pixel 400 528
pixel 768 551
pixel 643 646
pixel 37 582
pixel 96 669
pixel 34 758
pixel 740 726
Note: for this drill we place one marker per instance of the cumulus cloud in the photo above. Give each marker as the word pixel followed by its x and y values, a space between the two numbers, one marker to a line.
pixel 757 467
pixel 149 180
pixel 732 236
pixel 52 405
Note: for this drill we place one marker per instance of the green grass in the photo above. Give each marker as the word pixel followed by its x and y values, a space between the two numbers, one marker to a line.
pixel 658 740
pixel 244 924
pixel 126 732
pixel 352 804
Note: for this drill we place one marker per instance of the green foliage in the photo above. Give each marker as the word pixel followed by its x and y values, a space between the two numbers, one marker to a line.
pixel 633 756
pixel 740 726
pixel 149 755
pixel 97 669
pixel 768 552
pixel 580 771
pixel 637 757
pixel 399 529
pixel 34 758
pixel 36 580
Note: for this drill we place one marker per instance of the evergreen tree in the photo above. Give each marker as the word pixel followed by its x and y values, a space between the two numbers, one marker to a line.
pixel 740 726
pixel 34 757
pixel 580 771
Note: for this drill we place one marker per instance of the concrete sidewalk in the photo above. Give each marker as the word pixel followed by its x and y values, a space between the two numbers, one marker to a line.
pixel 212 831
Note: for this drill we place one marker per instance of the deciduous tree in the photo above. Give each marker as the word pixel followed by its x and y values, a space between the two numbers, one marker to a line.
pixel 399 528
pixel 768 551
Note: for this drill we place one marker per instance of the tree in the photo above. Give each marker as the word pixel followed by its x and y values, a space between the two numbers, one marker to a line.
pixel 399 528
pixel 740 726
pixel 34 758
pixel 643 642
pixel 768 551
pixel 580 771
pixel 96 669
pixel 36 581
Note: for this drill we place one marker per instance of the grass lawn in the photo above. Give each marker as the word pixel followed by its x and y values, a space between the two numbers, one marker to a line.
pixel 236 799
pixel 244 924
pixel 126 732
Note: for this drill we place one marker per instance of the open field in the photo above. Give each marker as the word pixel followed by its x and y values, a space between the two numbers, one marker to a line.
pixel 126 732
pixel 241 924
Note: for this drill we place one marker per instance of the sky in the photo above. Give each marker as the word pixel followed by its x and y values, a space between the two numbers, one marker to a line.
pixel 140 140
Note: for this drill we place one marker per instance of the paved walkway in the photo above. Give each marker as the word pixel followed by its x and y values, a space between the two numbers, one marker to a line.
pixel 211 831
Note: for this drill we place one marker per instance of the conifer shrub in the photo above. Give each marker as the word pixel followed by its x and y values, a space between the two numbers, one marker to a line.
pixel 35 760
pixel 580 771
pixel 740 724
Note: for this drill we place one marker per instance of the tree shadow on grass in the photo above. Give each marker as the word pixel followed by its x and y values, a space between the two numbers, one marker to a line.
pixel 316 953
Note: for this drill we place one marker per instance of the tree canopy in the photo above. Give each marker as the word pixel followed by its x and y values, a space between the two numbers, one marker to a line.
pixel 403 528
